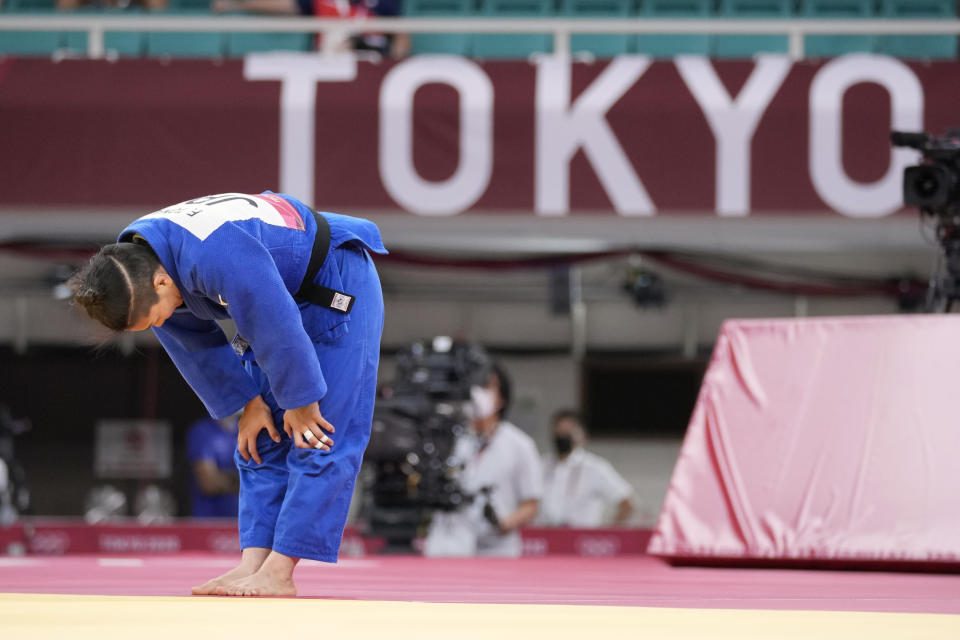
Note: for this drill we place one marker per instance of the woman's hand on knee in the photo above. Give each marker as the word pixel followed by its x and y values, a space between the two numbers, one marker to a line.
pixel 306 426
pixel 256 417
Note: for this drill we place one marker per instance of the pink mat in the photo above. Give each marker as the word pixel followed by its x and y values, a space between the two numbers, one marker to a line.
pixel 625 581
pixel 827 439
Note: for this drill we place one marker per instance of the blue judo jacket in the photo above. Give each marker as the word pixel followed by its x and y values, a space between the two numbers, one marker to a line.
pixel 243 256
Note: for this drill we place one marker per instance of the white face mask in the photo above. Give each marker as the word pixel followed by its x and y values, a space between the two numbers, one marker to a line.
pixel 482 403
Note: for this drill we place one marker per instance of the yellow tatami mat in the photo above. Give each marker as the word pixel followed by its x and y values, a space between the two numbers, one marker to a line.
pixel 60 617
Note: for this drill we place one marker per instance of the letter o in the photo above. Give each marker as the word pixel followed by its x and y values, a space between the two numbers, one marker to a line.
pixel 399 176
pixel 834 186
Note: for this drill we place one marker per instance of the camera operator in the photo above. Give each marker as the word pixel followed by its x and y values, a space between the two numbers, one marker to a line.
pixel 501 470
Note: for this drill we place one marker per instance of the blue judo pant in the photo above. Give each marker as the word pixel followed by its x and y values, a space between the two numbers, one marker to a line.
pixel 296 501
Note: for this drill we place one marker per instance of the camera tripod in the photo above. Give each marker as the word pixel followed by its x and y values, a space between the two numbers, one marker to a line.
pixel 944 287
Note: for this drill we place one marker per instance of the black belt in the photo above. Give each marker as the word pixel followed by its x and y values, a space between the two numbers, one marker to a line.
pixel 315 293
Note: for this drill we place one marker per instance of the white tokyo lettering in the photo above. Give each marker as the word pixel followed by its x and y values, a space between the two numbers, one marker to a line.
pixel 830 179
pixel 563 129
pixel 298 75
pixel 566 126
pixel 475 164
pixel 733 121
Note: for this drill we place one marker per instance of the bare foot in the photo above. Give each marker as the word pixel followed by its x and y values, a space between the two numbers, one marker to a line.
pixel 251 560
pixel 273 578
pixel 262 583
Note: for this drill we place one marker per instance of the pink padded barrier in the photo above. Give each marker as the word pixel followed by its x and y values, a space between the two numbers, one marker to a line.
pixel 828 439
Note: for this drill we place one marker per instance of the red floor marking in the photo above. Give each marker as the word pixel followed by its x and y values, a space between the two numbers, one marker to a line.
pixel 629 581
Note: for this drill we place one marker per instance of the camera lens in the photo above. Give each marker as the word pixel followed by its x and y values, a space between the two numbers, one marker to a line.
pixel 927 185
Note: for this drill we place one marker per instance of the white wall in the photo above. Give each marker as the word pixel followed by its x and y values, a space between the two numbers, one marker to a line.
pixel 647 465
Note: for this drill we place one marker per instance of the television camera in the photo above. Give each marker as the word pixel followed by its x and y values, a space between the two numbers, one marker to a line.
pixel 934 187
pixel 410 467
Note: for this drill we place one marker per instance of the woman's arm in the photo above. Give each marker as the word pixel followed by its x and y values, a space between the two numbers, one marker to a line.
pixel 207 362
pixel 523 515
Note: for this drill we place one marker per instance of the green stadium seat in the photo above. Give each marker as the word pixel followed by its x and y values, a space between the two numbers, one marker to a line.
pixel 122 43
pixel 29 43
pixel 29 6
pixel 454 43
pixel 826 46
pixel 746 45
pixel 518 45
pixel 187 44
pixel 240 44
pixel 919 46
pixel 668 45
pixel 189 5
pixel 599 44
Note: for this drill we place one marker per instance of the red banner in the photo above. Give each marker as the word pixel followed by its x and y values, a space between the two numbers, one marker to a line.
pixel 444 135
pixel 584 542
pixel 59 536
pixel 56 536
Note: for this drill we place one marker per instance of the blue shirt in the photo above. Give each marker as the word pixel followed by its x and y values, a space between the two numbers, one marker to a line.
pixel 207 441
pixel 243 256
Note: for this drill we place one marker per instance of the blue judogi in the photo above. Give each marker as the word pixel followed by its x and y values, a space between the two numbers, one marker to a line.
pixel 243 256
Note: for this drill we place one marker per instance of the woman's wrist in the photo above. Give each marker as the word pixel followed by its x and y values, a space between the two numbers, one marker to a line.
pixel 255 403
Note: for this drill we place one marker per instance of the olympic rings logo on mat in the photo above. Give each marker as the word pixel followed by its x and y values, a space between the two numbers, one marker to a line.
pixel 50 542
pixel 598 546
